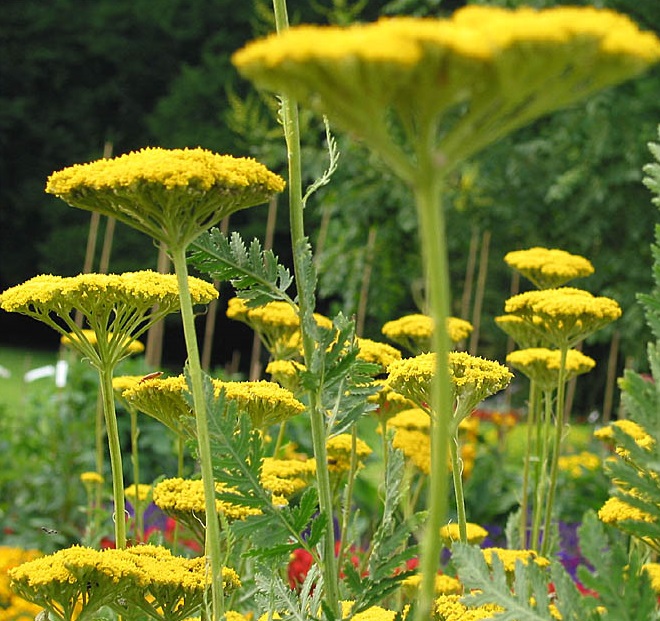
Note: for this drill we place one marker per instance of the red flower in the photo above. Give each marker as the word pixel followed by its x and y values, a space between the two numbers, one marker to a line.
pixel 299 564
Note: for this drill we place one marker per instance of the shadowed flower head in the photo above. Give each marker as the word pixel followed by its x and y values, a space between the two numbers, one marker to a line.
pixel 172 195
pixel 133 347
pixel 548 268
pixel 117 307
pixel 525 334
pixel 541 365
pixel 164 399
pixel 470 79
pixel 565 316
pixel 414 332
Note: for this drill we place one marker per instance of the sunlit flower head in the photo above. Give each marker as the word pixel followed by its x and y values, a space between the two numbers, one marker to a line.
pixel 616 510
pixel 139 492
pixel 117 307
pixel 374 352
pixel 565 316
pixel 653 571
pixel 579 464
pixel 415 444
pixel 413 418
pixel 265 402
pixel 414 332
pixel 173 195
pixel 450 606
pixel 444 584
pixel 629 427
pixel 541 365
pixel 286 477
pixel 91 478
pixel 475 533
pixel 510 557
pixel 472 77
pixel 548 268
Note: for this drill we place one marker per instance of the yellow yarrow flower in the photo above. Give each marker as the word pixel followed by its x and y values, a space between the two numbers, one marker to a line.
pixel 286 477
pixel 653 570
pixel 475 533
pixel 411 419
pixel 165 400
pixel 265 402
pixel 525 334
pixel 117 307
pixel 339 450
pixel 377 353
pixel 629 427
pixel 509 557
pixel 449 607
pixel 616 510
pixel 142 493
pixel 444 584
pixel 548 268
pixel 414 332
pixel 92 478
pixel 567 315
pixel 173 195
pixel 577 465
pixel 541 365
pixel 415 445
pixel 133 347
pixel 503 67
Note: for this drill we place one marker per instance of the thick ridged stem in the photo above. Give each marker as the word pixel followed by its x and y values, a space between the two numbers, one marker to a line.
pixel 434 253
pixel 213 549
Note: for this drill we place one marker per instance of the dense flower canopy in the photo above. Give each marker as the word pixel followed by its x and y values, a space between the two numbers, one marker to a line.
pixel 173 195
pixel 499 68
pixel 566 315
pixel 541 365
pixel 117 307
pixel 548 268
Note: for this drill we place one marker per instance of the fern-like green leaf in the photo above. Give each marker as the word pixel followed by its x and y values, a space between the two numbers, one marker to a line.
pixel 254 272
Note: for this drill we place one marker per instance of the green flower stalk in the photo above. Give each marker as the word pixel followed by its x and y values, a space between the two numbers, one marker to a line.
pixel 118 309
pixel 174 196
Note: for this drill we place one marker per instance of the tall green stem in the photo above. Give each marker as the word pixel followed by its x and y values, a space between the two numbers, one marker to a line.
pixel 135 458
pixel 213 550
pixel 458 488
pixel 541 480
pixel 556 450
pixel 292 136
pixel 531 450
pixel 107 394
pixel 434 252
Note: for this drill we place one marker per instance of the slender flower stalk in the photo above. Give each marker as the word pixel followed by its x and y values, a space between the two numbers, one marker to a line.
pixel 289 110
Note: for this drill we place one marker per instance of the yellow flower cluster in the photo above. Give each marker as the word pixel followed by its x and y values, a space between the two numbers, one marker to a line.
pixel 165 400
pixel 567 315
pixel 629 427
pixel 183 500
pixel 616 510
pixel 147 577
pixel 412 377
pixel 286 373
pixel 444 584
pixel 11 605
pixel 276 323
pixel 143 492
pixel 286 477
pixel 548 268
pixel 173 195
pixel 450 608
pixel 653 570
pixel 91 478
pixel 510 557
pixel 265 402
pixel 576 465
pixel 132 347
pixel 541 365
pixel 374 352
pixel 414 332
pixel 339 449
pixel 528 62
pixel 475 533
pixel 526 334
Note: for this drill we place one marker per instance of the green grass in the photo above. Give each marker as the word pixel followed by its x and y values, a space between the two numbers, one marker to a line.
pixel 13 389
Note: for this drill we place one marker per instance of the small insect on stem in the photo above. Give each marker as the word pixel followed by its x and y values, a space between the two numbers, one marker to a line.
pixel 49 531
pixel 149 376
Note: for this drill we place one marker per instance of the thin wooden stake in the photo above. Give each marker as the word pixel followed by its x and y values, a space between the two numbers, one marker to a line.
pixel 366 278
pixel 255 358
pixel 610 384
pixel 469 274
pixel 211 315
pixel 479 292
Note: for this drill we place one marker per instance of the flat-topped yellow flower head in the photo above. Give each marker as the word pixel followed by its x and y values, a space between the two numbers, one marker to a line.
pixel 524 333
pixel 541 365
pixel 166 400
pixel 267 403
pixel 377 353
pixel 286 477
pixel 470 78
pixel 548 268
pixel 475 533
pixel 564 316
pixel 510 557
pixel 339 449
pixel 117 307
pixel 414 332
pixel 173 195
